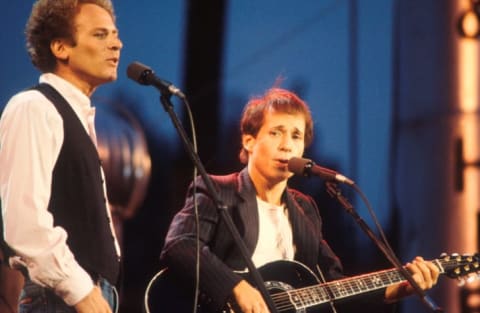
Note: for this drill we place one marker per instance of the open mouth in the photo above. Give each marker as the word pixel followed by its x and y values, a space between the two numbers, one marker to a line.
pixel 113 61
pixel 283 161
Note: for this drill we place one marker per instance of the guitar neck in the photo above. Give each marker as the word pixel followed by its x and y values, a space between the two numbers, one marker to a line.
pixel 345 288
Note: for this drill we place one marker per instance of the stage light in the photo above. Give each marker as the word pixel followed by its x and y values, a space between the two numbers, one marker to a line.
pixel 469 25
pixel 469 22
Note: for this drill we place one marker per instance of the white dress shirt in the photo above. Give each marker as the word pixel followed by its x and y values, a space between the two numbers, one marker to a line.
pixel 31 136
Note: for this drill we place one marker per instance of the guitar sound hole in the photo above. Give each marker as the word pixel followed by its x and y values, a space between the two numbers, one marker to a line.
pixel 280 297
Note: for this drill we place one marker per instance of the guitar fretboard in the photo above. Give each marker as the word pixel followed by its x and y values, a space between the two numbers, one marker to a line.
pixel 318 294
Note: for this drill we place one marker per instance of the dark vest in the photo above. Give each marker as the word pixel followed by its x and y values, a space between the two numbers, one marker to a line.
pixel 77 199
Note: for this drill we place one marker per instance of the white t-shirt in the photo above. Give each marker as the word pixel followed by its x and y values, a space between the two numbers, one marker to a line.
pixel 275 234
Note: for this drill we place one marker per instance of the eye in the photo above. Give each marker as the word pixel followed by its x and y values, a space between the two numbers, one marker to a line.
pixel 100 35
pixel 275 133
pixel 297 137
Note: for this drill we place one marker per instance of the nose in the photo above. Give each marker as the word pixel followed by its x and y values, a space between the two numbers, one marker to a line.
pixel 117 44
pixel 286 143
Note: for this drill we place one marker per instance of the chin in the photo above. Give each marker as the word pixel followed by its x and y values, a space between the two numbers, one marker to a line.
pixel 108 78
pixel 284 174
pixel 112 77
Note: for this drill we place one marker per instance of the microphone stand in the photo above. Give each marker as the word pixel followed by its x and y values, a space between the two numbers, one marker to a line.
pixel 335 192
pixel 221 207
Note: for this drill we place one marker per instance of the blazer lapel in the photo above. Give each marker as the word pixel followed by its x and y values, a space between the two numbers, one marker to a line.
pixel 247 210
pixel 304 236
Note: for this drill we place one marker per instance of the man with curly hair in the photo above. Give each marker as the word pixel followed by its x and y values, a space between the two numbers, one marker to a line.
pixel 55 210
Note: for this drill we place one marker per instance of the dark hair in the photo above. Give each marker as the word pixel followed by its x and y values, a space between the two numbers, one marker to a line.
pixel 278 100
pixel 53 19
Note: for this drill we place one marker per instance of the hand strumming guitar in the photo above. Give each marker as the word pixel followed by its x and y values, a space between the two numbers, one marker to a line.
pixel 248 299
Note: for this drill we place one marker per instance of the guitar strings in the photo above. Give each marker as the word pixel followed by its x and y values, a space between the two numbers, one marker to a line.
pixel 314 295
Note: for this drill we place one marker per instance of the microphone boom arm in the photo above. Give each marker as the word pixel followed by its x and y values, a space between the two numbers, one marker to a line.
pixel 222 208
pixel 335 192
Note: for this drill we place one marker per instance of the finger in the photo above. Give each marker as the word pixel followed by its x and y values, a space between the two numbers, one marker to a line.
pixel 435 272
pixel 257 308
pixel 425 275
pixel 265 308
pixel 416 272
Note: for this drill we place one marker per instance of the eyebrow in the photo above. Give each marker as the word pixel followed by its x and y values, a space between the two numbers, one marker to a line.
pixel 283 128
pixel 105 29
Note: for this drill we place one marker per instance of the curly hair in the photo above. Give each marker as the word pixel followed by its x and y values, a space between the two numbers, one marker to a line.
pixel 53 19
pixel 278 100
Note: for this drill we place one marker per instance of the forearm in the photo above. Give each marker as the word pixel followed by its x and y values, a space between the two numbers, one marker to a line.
pixel 49 261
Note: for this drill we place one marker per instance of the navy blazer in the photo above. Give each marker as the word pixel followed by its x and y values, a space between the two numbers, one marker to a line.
pixel 219 254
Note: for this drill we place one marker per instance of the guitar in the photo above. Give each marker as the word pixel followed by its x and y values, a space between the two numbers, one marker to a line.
pixel 299 290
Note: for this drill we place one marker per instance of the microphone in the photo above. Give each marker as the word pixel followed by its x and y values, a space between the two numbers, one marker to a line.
pixel 306 167
pixel 144 75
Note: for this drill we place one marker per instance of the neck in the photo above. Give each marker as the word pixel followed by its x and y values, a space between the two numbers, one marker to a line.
pixel 78 82
pixel 268 191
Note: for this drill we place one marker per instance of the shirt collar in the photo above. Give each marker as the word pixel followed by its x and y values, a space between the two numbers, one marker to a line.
pixel 79 102
pixel 67 90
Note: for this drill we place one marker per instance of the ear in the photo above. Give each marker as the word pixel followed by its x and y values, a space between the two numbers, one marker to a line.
pixel 59 49
pixel 247 142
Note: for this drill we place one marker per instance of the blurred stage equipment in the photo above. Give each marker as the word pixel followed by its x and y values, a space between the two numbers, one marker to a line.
pixel 437 127
pixel 125 159
pixel 469 22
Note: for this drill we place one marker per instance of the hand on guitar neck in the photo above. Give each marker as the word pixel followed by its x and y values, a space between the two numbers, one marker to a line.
pixel 425 274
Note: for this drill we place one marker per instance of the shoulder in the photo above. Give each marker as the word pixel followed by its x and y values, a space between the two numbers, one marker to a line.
pixel 225 186
pixel 225 180
pixel 30 117
pixel 220 182
pixel 304 204
pixel 300 197
pixel 29 103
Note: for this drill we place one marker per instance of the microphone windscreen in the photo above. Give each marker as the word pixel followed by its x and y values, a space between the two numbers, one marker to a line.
pixel 137 72
pixel 297 165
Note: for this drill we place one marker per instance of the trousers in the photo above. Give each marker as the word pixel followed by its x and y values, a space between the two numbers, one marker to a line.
pixel 37 299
